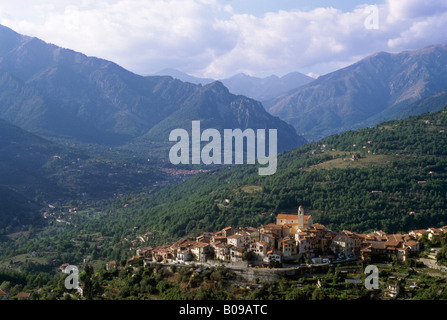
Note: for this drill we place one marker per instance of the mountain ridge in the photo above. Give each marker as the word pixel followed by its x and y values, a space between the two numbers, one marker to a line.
pixel 60 93
pixel 262 89
pixel 382 83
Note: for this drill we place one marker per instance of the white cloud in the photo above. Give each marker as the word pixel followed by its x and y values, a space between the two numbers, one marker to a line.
pixel 420 23
pixel 404 10
pixel 313 75
pixel 208 38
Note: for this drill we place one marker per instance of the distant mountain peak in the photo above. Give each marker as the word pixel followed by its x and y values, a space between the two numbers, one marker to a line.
pixel 63 94
pixel 182 76
pixel 217 86
pixel 264 89
pixel 372 90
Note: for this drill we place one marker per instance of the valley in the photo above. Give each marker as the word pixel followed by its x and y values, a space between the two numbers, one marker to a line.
pixel 86 178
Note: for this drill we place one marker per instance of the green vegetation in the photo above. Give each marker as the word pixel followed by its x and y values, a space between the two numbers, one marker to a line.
pixel 133 281
pixel 403 161
pixel 410 174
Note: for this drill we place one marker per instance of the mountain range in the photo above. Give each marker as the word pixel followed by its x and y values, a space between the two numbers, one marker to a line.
pixel 377 88
pixel 52 99
pixel 262 89
pixel 59 93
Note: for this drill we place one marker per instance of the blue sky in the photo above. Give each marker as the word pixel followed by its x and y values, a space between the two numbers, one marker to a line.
pixel 219 38
pixel 260 7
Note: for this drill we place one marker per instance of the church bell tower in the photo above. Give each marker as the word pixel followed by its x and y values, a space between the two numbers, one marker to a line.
pixel 300 217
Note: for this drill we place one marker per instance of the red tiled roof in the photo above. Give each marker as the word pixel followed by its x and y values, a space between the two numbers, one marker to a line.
pixel 411 243
pixel 23 294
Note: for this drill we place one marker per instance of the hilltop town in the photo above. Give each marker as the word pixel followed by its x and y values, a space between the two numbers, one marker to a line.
pixel 293 238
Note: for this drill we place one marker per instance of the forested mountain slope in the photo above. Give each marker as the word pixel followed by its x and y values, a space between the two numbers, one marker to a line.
pixel 392 177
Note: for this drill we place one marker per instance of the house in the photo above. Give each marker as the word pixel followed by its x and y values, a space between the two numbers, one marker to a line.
pixel 144 252
pixel 288 247
pixel 252 233
pixel 269 238
pixel 393 244
pixel 366 253
pixel 303 243
pixel 202 251
pixel 246 237
pixel 182 245
pixel 260 248
pixel 434 233
pixel 236 253
pixel 111 265
pixel 357 239
pixel 63 266
pixel 236 240
pixel 228 231
pixel 4 294
pixel 393 290
pixel 184 255
pixel 278 231
pixel 162 254
pixel 413 245
pixel 380 235
pixel 374 249
pixel 218 237
pixel 205 237
pixel 273 256
pixel 417 234
pixel 403 253
pixel 222 251
pixel 342 245
pixel 24 295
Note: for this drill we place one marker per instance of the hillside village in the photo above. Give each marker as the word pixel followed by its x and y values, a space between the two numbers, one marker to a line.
pixel 294 237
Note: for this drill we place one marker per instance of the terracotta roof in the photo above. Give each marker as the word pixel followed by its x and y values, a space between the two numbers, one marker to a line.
pixel 222 245
pixel 319 226
pixel 235 236
pixel 291 216
pixel 23 294
pixel 201 245
pixel 273 226
pixel 341 237
pixel 395 237
pixel 377 245
pixel 411 243
pixel 421 231
pixel 392 244
pixel 260 243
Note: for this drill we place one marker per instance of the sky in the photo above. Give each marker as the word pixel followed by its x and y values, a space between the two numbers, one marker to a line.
pixel 220 38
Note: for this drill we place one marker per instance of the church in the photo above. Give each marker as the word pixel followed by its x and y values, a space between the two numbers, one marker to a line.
pixel 295 221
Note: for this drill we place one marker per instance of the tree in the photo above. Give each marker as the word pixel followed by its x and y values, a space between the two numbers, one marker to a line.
pixel 248 256
pixel 86 277
pixel 318 294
